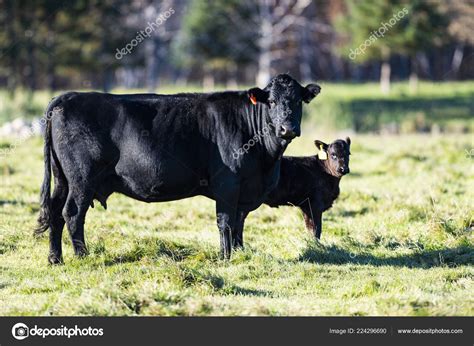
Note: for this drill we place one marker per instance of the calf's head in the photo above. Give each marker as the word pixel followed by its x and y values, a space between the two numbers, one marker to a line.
pixel 284 97
pixel 335 156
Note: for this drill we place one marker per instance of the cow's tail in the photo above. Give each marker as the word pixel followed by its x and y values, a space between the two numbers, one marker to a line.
pixel 44 219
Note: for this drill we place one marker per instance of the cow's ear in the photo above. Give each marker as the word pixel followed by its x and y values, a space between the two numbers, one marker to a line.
pixel 348 141
pixel 258 95
pixel 310 92
pixel 321 145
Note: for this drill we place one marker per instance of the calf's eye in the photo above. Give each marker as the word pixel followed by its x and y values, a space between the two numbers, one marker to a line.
pixel 334 156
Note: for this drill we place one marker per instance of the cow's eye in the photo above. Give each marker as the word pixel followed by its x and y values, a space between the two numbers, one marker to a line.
pixel 272 103
pixel 334 156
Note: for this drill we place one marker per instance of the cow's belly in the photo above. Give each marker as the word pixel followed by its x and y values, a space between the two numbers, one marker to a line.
pixel 251 195
pixel 158 177
pixel 255 188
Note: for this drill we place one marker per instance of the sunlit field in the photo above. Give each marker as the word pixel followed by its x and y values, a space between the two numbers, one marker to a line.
pixel 399 241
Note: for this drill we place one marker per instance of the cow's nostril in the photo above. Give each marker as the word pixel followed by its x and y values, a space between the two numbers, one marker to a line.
pixel 344 170
pixel 286 133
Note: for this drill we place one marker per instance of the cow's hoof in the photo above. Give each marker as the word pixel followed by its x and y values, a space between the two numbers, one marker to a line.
pixel 55 260
pixel 224 256
pixel 81 253
pixel 238 245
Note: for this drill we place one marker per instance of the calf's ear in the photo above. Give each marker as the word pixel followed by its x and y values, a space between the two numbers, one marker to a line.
pixel 258 95
pixel 321 145
pixel 348 141
pixel 310 92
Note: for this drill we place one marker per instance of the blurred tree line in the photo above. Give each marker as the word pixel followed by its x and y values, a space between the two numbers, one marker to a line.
pixel 52 44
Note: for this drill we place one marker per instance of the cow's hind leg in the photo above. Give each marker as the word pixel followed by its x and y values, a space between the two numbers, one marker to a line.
pixel 58 200
pixel 74 212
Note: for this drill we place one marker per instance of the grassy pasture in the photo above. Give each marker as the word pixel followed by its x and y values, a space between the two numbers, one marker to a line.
pixel 399 241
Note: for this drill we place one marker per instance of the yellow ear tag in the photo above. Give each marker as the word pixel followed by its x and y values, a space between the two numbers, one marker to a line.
pixel 322 154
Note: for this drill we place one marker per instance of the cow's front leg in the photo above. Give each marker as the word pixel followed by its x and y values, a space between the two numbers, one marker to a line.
pixel 226 211
pixel 238 235
pixel 224 223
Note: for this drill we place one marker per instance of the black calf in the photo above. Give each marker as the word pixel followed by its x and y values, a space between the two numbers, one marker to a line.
pixel 311 183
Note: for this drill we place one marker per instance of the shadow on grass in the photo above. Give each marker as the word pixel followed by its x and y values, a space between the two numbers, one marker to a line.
pixel 451 257
pixel 242 291
pixel 370 115
pixel 407 113
pixel 12 202
pixel 353 213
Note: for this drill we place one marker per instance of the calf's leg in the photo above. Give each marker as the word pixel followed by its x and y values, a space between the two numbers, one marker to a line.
pixel 238 235
pixel 313 218
pixel 318 224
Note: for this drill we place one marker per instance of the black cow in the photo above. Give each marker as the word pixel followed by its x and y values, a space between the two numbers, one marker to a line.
pixel 157 148
pixel 311 182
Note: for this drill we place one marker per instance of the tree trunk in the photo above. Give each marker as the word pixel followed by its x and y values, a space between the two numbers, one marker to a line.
pixel 231 77
pixel 265 45
pixel 107 77
pixel 12 81
pixel 31 64
pixel 208 81
pixel 264 63
pixel 413 79
pixel 182 77
pixel 385 71
pixel 457 60
pixel 151 62
pixel 51 75
pixel 31 51
pixel 305 48
pixel 51 66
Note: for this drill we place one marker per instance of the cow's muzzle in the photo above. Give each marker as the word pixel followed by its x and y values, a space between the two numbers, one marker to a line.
pixel 344 170
pixel 286 133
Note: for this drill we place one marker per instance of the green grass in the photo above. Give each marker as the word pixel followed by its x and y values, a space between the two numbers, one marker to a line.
pixel 399 241
pixel 445 107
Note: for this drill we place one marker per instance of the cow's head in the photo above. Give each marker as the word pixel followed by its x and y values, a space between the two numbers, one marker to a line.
pixel 284 96
pixel 335 155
